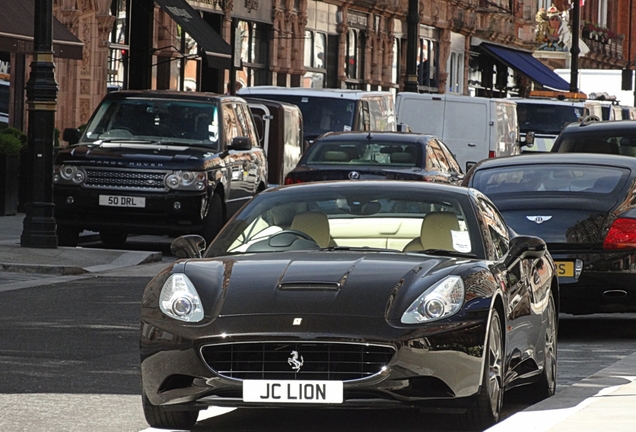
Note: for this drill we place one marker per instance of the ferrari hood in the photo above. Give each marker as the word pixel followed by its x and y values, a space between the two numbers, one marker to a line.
pixel 324 283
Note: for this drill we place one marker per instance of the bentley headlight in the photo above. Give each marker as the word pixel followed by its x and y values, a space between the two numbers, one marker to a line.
pixel 186 180
pixel 442 300
pixel 180 300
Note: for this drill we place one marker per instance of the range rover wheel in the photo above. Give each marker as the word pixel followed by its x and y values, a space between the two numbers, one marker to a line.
pixel 113 238
pixel 67 236
pixel 214 220
pixel 157 417
pixel 487 408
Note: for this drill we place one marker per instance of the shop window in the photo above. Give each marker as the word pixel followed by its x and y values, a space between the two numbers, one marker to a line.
pixel 427 63
pixel 253 38
pixel 395 62
pixel 315 59
pixel 354 58
pixel 456 73
pixel 118 52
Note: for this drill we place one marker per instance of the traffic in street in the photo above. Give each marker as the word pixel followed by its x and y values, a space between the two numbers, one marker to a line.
pixel 70 361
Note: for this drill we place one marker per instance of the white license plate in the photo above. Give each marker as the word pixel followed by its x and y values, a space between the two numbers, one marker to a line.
pixel 287 391
pixel 122 201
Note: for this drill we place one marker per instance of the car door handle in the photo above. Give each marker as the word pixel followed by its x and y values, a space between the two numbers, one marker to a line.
pixel 472 145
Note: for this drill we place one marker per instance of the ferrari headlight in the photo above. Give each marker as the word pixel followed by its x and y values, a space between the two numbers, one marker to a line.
pixel 180 300
pixel 441 300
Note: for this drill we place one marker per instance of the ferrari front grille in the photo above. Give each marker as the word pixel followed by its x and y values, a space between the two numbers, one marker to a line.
pixel 297 360
pixel 99 178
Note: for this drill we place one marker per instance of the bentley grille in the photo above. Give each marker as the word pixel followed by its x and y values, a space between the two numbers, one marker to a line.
pixel 302 361
pixel 125 179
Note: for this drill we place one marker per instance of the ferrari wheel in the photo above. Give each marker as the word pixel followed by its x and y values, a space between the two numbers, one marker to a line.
pixel 158 417
pixel 214 220
pixel 487 408
pixel 546 386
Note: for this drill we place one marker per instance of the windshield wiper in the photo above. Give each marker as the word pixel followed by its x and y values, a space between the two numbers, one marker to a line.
pixel 359 248
pixel 445 252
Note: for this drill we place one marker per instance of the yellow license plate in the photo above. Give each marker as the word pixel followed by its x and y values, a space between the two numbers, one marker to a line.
pixel 565 268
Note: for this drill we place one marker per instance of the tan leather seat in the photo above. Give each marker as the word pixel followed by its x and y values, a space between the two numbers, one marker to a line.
pixel 435 232
pixel 316 224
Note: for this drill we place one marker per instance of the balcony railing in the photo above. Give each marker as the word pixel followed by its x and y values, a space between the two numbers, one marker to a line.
pixel 611 48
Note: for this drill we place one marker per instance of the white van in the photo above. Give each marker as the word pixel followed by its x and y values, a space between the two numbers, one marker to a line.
pixel 473 128
pixel 326 110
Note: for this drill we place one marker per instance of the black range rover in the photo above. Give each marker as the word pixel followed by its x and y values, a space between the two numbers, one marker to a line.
pixel 157 162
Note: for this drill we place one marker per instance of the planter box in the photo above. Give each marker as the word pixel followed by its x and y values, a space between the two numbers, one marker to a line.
pixel 9 171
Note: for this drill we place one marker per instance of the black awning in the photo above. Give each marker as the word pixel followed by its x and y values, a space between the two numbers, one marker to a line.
pixel 16 31
pixel 218 51
pixel 525 63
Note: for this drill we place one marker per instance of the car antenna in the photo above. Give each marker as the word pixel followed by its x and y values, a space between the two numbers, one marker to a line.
pixel 369 136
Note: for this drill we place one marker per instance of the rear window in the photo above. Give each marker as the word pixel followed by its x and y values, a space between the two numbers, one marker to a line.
pixel 609 143
pixel 364 153
pixel 549 178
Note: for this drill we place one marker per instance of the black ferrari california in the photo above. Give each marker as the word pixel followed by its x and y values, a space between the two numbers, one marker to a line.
pixel 584 207
pixel 371 294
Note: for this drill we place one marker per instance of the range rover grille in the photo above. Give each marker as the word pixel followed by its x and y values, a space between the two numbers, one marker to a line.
pixel 276 360
pixel 125 179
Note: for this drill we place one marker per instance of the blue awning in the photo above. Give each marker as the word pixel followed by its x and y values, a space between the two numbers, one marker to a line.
pixel 524 63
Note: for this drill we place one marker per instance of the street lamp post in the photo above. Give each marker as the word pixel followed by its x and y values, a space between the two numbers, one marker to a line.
pixel 41 90
pixel 574 51
pixel 413 23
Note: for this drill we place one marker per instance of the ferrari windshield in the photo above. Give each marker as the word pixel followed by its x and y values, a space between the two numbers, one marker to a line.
pixel 357 217
pixel 163 120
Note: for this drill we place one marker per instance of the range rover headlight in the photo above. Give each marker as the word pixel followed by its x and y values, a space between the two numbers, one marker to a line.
pixel 180 300
pixel 186 180
pixel 68 174
pixel 442 300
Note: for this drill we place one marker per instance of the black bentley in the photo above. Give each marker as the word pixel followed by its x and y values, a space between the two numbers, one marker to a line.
pixel 352 294
pixel 584 207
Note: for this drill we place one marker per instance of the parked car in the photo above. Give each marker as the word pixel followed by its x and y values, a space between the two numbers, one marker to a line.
pixel 157 162
pixel 377 155
pixel 584 207
pixel 474 128
pixel 326 110
pixel 590 136
pixel 352 294
pixel 280 129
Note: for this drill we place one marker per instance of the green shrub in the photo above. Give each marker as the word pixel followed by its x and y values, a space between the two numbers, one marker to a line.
pixel 9 144
pixel 16 133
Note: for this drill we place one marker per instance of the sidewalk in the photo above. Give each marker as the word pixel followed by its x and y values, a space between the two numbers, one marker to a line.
pixel 605 401
pixel 61 260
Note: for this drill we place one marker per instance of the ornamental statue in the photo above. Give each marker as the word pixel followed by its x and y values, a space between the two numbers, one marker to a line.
pixel 553 30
